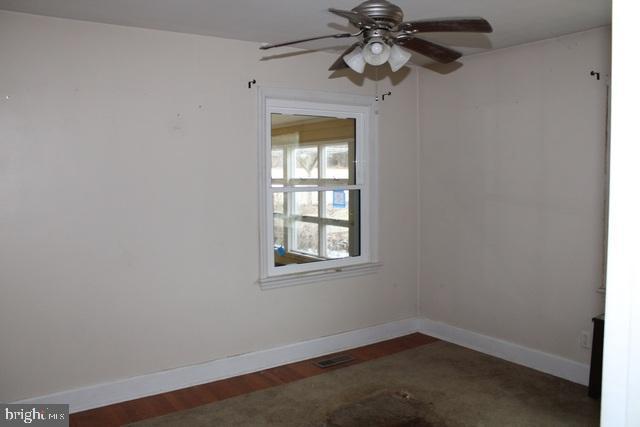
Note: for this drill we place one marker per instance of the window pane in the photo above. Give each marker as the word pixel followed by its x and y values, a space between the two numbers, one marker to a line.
pixel 305 203
pixel 337 204
pixel 337 242
pixel 305 237
pixel 305 162
pixel 335 162
pixel 277 163
pixel 278 234
pixel 278 203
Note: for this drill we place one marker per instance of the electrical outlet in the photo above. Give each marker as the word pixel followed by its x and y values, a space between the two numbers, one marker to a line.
pixel 585 339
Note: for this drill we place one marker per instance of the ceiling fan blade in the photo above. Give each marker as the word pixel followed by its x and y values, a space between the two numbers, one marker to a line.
pixel 472 25
pixel 332 36
pixel 340 64
pixel 434 51
pixel 357 19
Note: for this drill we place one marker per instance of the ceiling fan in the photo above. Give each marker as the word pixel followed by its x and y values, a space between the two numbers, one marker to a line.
pixel 383 37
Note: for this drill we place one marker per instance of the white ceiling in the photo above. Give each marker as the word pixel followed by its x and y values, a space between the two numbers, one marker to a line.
pixel 514 21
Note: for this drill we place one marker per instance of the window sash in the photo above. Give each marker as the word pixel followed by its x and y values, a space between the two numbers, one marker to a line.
pixel 322 220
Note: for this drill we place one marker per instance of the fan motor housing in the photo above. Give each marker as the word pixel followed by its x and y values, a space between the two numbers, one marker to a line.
pixel 382 11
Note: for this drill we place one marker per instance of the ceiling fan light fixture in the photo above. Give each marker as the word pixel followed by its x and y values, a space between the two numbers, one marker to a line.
pixel 355 60
pixel 376 52
pixel 398 57
pixel 381 27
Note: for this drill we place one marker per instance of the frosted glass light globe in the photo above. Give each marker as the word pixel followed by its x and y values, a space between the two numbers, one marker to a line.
pixel 399 57
pixel 355 60
pixel 376 52
pixel 376 48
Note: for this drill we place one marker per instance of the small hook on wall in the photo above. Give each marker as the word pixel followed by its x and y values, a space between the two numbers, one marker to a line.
pixel 596 74
pixel 251 82
pixel 383 95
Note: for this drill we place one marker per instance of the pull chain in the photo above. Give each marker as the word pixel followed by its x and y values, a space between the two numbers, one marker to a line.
pixel 376 80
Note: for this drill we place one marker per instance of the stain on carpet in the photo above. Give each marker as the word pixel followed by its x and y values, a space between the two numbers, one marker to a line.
pixel 385 409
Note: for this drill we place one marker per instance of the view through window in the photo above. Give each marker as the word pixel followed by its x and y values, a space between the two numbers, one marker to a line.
pixel 315 194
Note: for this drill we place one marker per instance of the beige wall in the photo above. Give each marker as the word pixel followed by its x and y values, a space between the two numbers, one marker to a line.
pixel 512 179
pixel 128 205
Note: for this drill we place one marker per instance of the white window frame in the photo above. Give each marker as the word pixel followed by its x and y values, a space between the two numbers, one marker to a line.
pixel 360 108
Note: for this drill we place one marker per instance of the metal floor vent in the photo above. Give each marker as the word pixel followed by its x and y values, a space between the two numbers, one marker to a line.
pixel 333 361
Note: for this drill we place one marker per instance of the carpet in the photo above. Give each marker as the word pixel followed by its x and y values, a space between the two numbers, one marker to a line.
pixel 438 384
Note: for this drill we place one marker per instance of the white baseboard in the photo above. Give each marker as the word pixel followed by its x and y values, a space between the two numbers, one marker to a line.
pixel 535 359
pixel 98 395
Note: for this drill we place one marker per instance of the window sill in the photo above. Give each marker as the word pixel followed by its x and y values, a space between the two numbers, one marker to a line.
pixel 318 275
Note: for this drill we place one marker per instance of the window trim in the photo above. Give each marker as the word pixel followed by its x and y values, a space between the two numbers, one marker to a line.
pixel 361 108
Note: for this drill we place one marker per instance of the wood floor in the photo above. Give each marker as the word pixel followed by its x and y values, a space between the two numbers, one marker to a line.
pixel 161 404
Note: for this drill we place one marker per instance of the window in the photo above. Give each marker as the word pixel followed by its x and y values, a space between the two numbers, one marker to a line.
pixel 317 159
